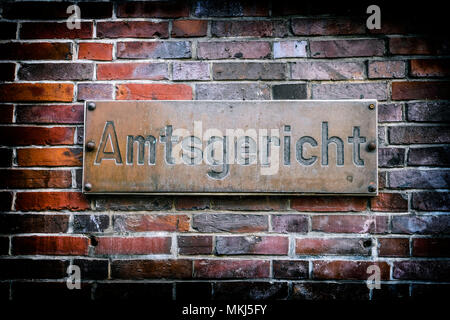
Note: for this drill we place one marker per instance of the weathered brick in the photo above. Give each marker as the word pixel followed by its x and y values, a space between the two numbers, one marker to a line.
pixel 423 46
pixel 327 70
pixel 192 245
pixel 350 224
pixel 290 223
pixel 6 199
pixel 431 247
pixel 207 222
pixel 21 179
pixel 373 90
pixel 252 245
pixel 321 291
pixel 35 51
pixel 422 134
pixel 393 247
pixel 234 49
pixel 430 201
pixel 230 8
pixel 135 91
pixel 391 157
pixel 22 136
pixel 55 30
pixel 192 203
pixel 428 111
pixel 95 51
pixel 151 269
pixel 7 71
pixel 90 223
pixel 387 69
pixel 289 91
pixel 249 203
pixel 422 179
pixel 429 156
pixel 133 245
pixel 49 157
pixel 94 91
pixel 333 246
pixel 410 90
pixel 346 48
pixel 430 67
pixel 232 91
pixel 154 50
pixel 252 291
pixel 133 292
pixel 132 29
pixel 438 224
pixel 50 113
pixel 348 270
pixel 8 30
pixel 6 113
pixel 145 223
pixel 189 28
pixel 382 138
pixel 231 269
pixel 422 270
pixel 290 269
pixel 49 245
pixel 33 223
pixel 158 9
pixel 120 203
pixel 289 49
pixel 391 202
pixel 56 71
pixel 190 71
pixel 249 28
pixel 329 204
pixel 390 112
pixel 132 71
pixel 249 71
pixel 44 201
pixel 327 26
pixel 33 268
pixel 36 92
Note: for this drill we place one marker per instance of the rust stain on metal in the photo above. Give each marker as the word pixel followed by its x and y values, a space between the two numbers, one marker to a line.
pixel 231 147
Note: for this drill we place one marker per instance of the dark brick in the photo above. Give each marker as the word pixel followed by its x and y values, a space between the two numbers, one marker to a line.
pixel 250 203
pixel 391 157
pixel 55 30
pixel 231 269
pixel 90 223
pixel 318 291
pixel 157 9
pixel 118 203
pixel 430 67
pixel 412 90
pixel 422 270
pixel 33 223
pixel 231 8
pixel 290 223
pixel 4 246
pixel 92 269
pixel 250 290
pixel 198 291
pixel 26 179
pixel 438 224
pixel 6 201
pixel 347 48
pixel 50 113
pixel 430 292
pixel 430 201
pixel 229 222
pixel 195 245
pixel 393 247
pixel 429 156
pixel 289 91
pixel 151 269
pixel 56 71
pixel 422 134
pixel 192 203
pixel 233 49
pixel 389 112
pixel 258 28
pixel 232 91
pixel 327 26
pixel 428 111
pixel 422 46
pixel 132 29
pixel 252 245
pixel 117 291
pixel 348 270
pixel 431 247
pixel 56 291
pixel 8 30
pixel 290 269
pixel 423 179
pixel 391 292
pixel 35 51
pixel 33 268
pixel 6 114
pixel 333 246
pixel 249 71
pixel 94 91
pixel 7 71
pixel 154 50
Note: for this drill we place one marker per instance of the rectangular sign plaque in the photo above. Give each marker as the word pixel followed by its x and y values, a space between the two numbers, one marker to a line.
pixel 231 147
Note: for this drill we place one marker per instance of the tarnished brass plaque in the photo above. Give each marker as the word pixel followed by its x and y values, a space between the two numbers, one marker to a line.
pixel 231 147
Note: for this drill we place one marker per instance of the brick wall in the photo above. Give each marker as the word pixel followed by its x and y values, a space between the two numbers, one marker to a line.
pixel 220 247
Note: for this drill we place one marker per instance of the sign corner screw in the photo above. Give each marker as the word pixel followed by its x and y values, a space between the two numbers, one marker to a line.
pixel 371 106
pixel 88 187
pixel 372 187
pixel 91 106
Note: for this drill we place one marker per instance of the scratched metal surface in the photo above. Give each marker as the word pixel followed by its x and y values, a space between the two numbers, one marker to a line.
pixel 304 117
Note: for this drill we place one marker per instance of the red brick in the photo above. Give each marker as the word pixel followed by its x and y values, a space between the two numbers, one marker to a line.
pixel 132 71
pixel 350 224
pixel 346 48
pixel 329 204
pixel 95 51
pixel 36 92
pixel 234 49
pixel 327 26
pixel 411 90
pixel 134 91
pixel 35 51
pixel 151 269
pixel 255 28
pixel 393 247
pixel 158 9
pixel 50 157
pixel 348 270
pixel 132 29
pixel 189 28
pixel 6 113
pixel 94 91
pixel 33 223
pixel 50 113
pixel 50 245
pixel 391 202
pixel 231 269
pixel 24 179
pixel 133 245
pixel 22 136
pixel 192 203
pixel 252 245
pixel 290 269
pixel 387 69
pixel 333 246
pixel 43 201
pixel 431 247
pixel 7 71
pixel 55 30
pixel 423 46
pixel 146 222
pixel 193 245
pixel 430 67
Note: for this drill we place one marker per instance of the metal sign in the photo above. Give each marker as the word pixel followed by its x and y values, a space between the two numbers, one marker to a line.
pixel 231 147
